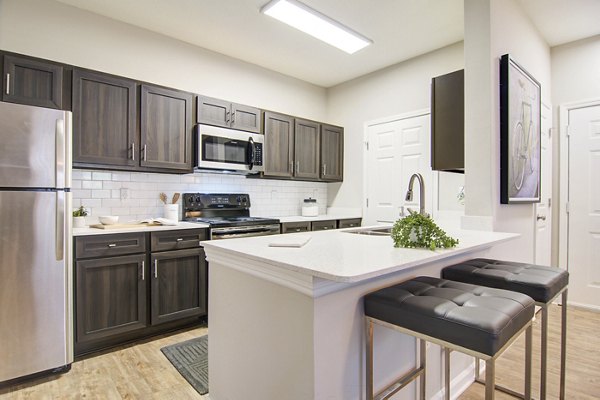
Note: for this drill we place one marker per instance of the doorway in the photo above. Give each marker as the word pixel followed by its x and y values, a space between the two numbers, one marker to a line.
pixel 395 148
pixel 580 202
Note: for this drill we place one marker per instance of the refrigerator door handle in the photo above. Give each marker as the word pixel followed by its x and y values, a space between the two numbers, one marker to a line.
pixel 60 153
pixel 60 225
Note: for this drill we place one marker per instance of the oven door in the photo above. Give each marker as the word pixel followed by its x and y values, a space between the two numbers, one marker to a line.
pixel 229 150
pixel 243 231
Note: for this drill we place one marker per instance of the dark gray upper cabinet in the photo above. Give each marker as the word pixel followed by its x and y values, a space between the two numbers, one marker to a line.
pixel 332 153
pixel 218 112
pixel 447 122
pixel 306 149
pixel 32 81
pixel 279 145
pixel 104 120
pixel 166 128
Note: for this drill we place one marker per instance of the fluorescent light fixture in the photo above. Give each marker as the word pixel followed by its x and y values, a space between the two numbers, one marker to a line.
pixel 312 22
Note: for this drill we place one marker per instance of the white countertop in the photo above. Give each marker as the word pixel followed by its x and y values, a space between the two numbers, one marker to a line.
pixel 344 257
pixel 180 225
pixel 324 217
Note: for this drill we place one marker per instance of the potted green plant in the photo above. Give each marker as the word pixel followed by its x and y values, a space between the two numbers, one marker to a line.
pixel 416 230
pixel 79 215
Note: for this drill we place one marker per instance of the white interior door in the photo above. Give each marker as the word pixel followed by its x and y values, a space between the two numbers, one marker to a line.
pixel 396 149
pixel 543 224
pixel 583 257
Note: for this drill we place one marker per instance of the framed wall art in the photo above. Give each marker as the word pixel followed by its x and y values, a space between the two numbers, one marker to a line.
pixel 520 134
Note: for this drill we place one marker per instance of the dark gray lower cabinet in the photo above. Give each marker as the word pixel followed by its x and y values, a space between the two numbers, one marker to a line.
pixel 111 296
pixel 324 225
pixel 132 285
pixel 178 283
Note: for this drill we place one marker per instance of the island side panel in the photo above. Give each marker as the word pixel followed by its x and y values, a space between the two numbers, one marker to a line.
pixel 260 338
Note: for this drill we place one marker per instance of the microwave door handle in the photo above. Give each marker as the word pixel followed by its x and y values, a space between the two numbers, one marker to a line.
pixel 252 153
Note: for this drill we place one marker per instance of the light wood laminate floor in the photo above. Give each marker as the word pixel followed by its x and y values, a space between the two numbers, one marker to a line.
pixel 141 371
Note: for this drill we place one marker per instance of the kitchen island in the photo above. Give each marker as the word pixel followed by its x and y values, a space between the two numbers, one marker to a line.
pixel 287 323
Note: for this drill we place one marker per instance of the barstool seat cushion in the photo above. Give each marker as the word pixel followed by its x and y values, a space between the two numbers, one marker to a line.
pixel 538 282
pixel 478 318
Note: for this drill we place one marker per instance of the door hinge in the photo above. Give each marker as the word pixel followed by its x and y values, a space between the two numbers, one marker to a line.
pixel 568 130
pixel 549 202
pixel 550 133
pixel 367 202
pixel 567 208
pixel 367 144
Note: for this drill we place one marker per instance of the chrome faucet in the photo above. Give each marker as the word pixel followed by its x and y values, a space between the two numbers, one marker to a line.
pixel 409 193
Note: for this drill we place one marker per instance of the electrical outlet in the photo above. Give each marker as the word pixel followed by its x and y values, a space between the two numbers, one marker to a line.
pixel 88 210
pixel 124 193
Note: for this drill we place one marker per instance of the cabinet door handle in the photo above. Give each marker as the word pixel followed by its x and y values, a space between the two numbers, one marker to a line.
pixel 180 239
pixel 297 167
pixel 7 83
pixel 143 270
pixel 324 169
pixel 227 117
pixel 232 118
pixel 133 151
pixel 144 152
pixel 156 268
pixel 292 167
pixel 112 245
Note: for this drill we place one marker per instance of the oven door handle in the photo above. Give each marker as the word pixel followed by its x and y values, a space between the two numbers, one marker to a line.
pixel 226 233
pixel 252 152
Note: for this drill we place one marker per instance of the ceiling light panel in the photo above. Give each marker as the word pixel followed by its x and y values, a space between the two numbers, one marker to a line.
pixel 312 22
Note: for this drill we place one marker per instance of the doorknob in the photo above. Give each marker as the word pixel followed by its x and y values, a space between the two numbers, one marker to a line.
pixel 541 217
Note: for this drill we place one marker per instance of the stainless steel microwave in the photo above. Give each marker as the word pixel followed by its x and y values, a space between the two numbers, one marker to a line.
pixel 228 150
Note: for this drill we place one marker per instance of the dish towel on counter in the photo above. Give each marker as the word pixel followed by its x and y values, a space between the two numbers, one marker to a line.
pixel 290 241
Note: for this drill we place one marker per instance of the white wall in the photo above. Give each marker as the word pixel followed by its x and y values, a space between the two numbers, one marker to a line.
pixel 575 78
pixel 52 30
pixel 395 90
pixel 494 28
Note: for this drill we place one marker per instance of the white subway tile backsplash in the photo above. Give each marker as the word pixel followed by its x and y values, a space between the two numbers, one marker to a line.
pixel 101 191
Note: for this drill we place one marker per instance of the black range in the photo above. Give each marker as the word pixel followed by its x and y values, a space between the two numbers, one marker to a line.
pixel 227 214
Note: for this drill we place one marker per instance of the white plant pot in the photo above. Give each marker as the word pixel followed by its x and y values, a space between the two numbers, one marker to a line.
pixel 78 222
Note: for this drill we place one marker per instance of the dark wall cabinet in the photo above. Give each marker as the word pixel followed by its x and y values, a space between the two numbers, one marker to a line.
pixel 166 128
pixel 332 153
pixel 132 285
pixel 107 111
pixel 223 113
pixel 302 149
pixel 104 120
pixel 32 81
pixel 447 122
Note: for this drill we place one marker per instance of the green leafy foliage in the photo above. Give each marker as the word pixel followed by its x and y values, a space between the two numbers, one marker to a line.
pixel 80 212
pixel 418 230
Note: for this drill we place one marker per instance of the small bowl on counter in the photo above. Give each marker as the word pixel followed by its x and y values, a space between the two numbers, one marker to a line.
pixel 108 219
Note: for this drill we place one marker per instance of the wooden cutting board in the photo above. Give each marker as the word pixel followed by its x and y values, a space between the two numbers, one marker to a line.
pixel 123 226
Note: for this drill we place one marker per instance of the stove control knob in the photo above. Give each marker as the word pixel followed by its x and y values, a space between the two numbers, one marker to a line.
pixel 239 199
pixel 197 199
pixel 244 199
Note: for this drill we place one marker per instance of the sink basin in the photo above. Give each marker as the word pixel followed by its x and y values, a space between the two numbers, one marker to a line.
pixel 383 231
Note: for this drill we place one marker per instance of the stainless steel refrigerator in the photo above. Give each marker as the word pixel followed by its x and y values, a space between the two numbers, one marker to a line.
pixel 35 241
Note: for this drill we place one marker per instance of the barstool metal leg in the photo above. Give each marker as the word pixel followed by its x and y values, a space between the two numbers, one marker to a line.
pixel 528 351
pixel 490 376
pixel 447 373
pixel 544 352
pixel 369 360
pixel 563 344
pixel 423 364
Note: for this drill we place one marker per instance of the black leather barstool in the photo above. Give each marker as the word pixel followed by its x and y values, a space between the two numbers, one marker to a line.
pixel 543 284
pixel 475 320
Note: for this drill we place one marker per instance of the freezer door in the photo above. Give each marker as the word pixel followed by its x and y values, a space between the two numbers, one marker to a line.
pixel 35 277
pixel 36 147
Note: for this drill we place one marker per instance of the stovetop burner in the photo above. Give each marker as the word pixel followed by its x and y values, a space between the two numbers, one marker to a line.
pixel 221 210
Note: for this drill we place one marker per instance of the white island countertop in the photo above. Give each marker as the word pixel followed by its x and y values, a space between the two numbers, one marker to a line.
pixel 341 256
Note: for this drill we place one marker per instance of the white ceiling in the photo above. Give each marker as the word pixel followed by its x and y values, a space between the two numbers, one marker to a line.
pixel 400 29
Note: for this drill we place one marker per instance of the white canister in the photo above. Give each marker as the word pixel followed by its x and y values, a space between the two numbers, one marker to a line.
pixel 310 208
pixel 172 212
